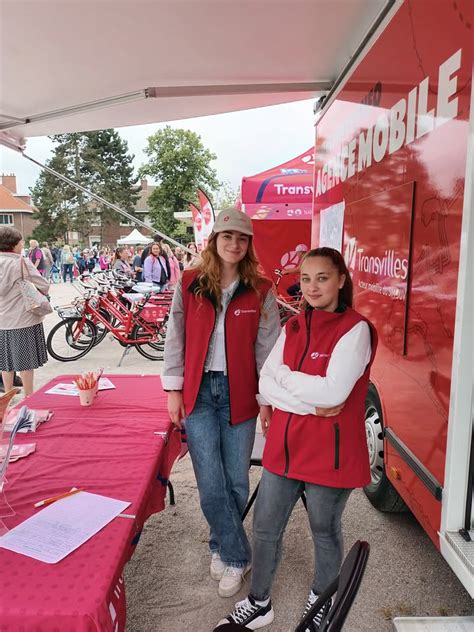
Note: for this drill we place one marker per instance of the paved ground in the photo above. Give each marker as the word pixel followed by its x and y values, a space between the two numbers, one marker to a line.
pixel 168 586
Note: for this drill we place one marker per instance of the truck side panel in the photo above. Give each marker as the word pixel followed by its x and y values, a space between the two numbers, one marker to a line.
pixel 391 149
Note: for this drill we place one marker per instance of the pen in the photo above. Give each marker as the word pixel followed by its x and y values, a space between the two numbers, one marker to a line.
pixel 48 501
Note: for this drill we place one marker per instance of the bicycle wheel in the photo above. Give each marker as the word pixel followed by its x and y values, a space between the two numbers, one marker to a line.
pixel 71 339
pixel 100 327
pixel 150 350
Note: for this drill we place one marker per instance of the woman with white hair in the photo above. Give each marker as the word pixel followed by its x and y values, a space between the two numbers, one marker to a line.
pixel 36 257
pixel 22 342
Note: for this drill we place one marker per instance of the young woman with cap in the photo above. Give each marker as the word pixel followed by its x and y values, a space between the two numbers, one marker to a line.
pixel 316 378
pixel 224 321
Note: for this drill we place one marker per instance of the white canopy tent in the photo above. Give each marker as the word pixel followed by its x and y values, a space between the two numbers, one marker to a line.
pixel 134 239
pixel 79 65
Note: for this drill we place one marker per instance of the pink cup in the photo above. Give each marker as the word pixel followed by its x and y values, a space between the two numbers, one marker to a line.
pixel 86 397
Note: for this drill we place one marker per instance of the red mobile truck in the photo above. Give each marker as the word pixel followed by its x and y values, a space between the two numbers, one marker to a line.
pixel 393 190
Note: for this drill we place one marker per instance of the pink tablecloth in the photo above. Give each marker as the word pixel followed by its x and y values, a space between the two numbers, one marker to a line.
pixel 109 448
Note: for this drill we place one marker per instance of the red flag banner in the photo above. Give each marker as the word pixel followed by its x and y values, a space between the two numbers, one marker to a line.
pixel 208 215
pixel 198 226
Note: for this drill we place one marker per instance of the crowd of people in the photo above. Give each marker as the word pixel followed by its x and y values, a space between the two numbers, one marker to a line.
pixel 22 339
pixel 226 362
pixel 63 263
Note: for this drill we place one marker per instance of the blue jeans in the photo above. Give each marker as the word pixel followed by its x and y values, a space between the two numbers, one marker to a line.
pixel 277 495
pixel 67 271
pixel 221 456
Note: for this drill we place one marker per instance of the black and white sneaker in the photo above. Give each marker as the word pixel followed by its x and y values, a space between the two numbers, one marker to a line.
pixel 251 613
pixel 319 615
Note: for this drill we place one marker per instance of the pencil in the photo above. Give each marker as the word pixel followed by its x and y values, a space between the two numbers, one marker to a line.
pixel 48 501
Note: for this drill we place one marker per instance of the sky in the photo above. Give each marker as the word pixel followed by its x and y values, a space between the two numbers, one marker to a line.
pixel 245 142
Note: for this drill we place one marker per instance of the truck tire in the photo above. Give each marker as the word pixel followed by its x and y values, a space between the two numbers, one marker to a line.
pixel 381 493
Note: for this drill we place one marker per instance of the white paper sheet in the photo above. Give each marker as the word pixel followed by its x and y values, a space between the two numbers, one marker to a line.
pixel 105 384
pixel 62 527
pixel 71 389
pixel 63 389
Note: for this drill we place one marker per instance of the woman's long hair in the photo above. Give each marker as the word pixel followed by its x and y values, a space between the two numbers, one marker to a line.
pixel 346 292
pixel 118 252
pixel 209 270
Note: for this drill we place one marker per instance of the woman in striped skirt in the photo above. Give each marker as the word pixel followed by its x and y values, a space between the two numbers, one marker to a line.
pixel 22 341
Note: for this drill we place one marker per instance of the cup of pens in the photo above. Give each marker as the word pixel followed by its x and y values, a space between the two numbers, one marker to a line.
pixel 87 385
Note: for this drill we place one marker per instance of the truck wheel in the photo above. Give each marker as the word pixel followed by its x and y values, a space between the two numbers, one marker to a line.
pixel 381 493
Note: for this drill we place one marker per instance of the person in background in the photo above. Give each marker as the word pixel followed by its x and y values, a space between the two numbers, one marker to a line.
pixel 56 254
pixel 22 341
pixel 35 255
pixel 137 265
pixel 154 268
pixel 175 272
pixel 223 323
pixel 157 239
pixel 318 369
pixel 68 262
pixel 179 254
pixel 121 264
pixel 48 260
pixel 82 262
pixel 189 260
pixel 104 260
pixel 55 276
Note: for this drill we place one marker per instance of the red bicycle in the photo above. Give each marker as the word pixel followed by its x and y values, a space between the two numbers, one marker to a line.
pixel 86 323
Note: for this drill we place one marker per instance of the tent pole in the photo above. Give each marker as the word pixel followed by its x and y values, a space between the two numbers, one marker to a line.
pixel 101 200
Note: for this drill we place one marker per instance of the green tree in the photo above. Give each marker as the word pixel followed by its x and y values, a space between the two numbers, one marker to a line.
pixel 179 163
pixel 98 161
pixel 227 196
pixel 61 207
pixel 108 168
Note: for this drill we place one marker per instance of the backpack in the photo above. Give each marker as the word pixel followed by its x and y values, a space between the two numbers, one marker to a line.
pixel 70 258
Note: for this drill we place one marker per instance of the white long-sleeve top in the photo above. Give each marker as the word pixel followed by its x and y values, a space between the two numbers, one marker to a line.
pixel 300 393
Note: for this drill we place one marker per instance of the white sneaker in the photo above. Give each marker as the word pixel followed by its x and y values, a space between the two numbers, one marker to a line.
pixel 232 579
pixel 249 613
pixel 217 567
pixel 320 614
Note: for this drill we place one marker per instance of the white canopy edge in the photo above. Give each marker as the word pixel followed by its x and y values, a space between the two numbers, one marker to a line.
pixel 149 62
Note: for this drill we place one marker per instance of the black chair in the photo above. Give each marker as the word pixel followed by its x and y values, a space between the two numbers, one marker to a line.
pixel 344 590
pixel 256 459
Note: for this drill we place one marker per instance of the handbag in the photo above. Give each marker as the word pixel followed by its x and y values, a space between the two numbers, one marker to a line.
pixel 33 300
pixel 164 273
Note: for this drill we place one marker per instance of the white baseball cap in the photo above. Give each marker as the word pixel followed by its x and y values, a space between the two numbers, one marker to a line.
pixel 233 219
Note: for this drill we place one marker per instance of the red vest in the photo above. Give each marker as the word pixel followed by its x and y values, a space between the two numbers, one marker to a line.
pixel 329 451
pixel 241 328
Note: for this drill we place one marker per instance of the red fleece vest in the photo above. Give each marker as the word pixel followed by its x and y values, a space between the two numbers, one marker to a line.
pixel 241 328
pixel 329 451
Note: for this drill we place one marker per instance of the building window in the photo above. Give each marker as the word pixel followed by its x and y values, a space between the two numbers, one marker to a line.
pixel 6 220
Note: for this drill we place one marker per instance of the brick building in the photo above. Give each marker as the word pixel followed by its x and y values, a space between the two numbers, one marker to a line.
pixel 15 209
pixel 108 234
